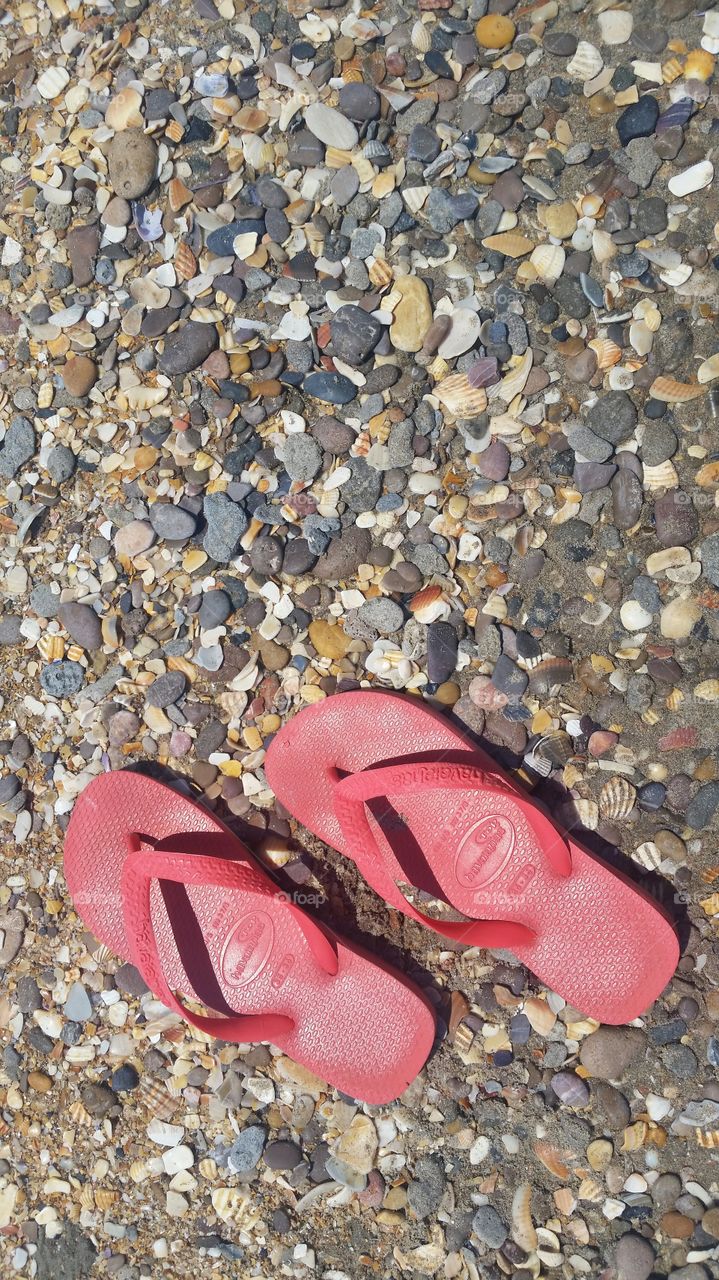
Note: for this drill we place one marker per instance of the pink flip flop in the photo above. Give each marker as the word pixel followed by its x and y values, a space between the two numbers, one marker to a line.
pixel 167 886
pixel 393 785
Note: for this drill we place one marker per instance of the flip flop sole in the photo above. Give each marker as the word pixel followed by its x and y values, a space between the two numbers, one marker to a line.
pixel 365 1029
pixel 601 942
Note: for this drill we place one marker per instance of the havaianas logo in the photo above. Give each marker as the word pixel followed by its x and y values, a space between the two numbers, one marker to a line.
pixel 485 851
pixel 247 949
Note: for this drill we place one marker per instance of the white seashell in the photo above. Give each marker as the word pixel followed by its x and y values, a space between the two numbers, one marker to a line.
pixel 52 82
pixel 415 197
pixel 663 476
pixel 586 63
pixel 693 179
pixel 616 26
pixel 548 262
pixel 514 382
pixel 634 617
pixel 421 38
pixel 330 126
pixel 641 337
pixel 463 333
pixel 676 276
pixel 709 370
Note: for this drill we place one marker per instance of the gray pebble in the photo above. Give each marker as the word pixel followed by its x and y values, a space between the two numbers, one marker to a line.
pixel 226 523
pixel 488 1227
pixel 61 679
pixel 382 614
pixel 302 456
pixel 166 689
pixel 244 1154
pixel 171 522
pixel 61 463
pixel 17 448
pixel 82 624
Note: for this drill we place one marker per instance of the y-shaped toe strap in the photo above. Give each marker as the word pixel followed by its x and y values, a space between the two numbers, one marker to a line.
pixel 141 867
pixel 350 798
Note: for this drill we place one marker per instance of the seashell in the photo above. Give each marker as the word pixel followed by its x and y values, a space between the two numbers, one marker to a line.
pixel 157 1100
pixel 586 63
pixel 617 798
pixel 523 1230
pixel 421 38
pixel 539 1014
pixel 185 262
pixel 233 1205
pixel 580 812
pixel 106 1199
pixel 555 747
pixel 175 131
pixel 52 82
pixel 51 647
pixel 709 370
pixel 548 262
pixel 673 392
pixel 123 110
pixel 515 381
pixel 139 1171
pixel 695 178
pixel 640 337
pixel 461 399
pixel 634 1136
pixel 606 351
pixel 208 1168
pixel 415 197
pixel 599 1154
pixel 380 273
pixel 591 1191
pixel 464 1038
pixel 707 1138
pixel 510 243
pixel 565 1201
pixel 549 674
pixel 462 334
pixel 699 65
pixel 179 194
pixel 707 691
pixel 553 1159
pixel 663 476
pixel 45 395
pixel 429 604
pixel 671 70
pixel 647 855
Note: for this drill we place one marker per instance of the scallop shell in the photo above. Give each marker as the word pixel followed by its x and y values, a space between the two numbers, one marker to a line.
pixel 175 131
pixel 565 1201
pixel 548 262
pixel 464 1038
pixel 617 798
pixel 539 1014
pixel 380 273
pixel 647 855
pixel 45 395
pixel 707 1138
pixel 139 1171
pixel 555 747
pixel 591 1191
pixel 510 243
pixel 549 674
pixel 580 812
pixel 553 1159
pixel 634 1136
pixel 663 476
pixel 673 392
pixel 460 398
pixel 156 1099
pixel 599 1154
pixel 429 604
pixel 699 65
pixel 179 195
pixel 185 262
pixel 415 197
pixel 106 1199
pixel 707 691
pixel 586 63
pixel 606 351
pixel 421 38
pixel 208 1168
pixel 523 1230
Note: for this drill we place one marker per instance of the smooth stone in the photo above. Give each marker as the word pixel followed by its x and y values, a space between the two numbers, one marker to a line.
pixel 382 614
pixel 359 102
pixel 79 376
pixel 634 1257
pixel 132 163
pixel 188 347
pixel 344 555
pixel 171 522
pixel 77 1006
pixel 425 1191
pixel 61 679
pixel 608 1052
pixel 570 1089
pixel 355 333
pixel 134 539
pixel 493 462
pixel 123 727
pixel 334 388
pixel 221 241
pixel 302 457
pixel 676 523
pixel 266 555
pixel 298 558
pixel 709 556
pixel 612 418
pixel 442 648
pixel 61 463
pixel 245 1152
pixel 413 314
pixel 82 624
pixel 589 477
pixel 488 1227
pixel 638 120
pixel 282 1155
pixel 166 689
pixel 82 245
pixel 216 608
pixel 344 185
pixel 703 806
pixel 627 498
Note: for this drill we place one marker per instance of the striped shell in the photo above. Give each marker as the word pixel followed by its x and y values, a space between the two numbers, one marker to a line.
pixel 606 351
pixel 185 262
pixel 663 476
pixel 586 63
pixel 617 798
pixel 523 1229
pixel 421 38
pixel 673 392
pixel 548 262
pixel 699 65
pixel 380 273
pixel 707 691
pixel 510 243
pixel 52 648
pixel 460 398
pixel 515 381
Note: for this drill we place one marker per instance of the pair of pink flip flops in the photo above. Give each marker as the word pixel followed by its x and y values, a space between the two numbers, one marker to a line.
pixel 397 788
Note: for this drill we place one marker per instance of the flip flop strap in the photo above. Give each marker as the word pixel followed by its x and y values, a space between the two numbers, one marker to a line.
pixel 140 868
pixel 351 795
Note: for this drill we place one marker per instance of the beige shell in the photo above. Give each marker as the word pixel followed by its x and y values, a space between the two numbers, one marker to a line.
pixel 553 1159
pixel 548 262
pixel 634 1136
pixel 175 131
pixel 607 352
pixel 123 110
pixel 52 82
pixel 708 475
pixel 208 1169
pixel 699 65
pixel 179 195
pixel 599 1154
pixel 591 1190
pixel 586 63
pixel 380 273
pixel 709 370
pixel 515 381
pixel 617 798
pixel 673 392
pixel 663 476
pixel 460 398
pixel 565 1201
pixel 707 1138
pixel 523 1230
pixel 156 1099
pixel 647 855
pixel 233 1205
pixel 415 197
pixel 185 262
pixel 106 1199
pixel 707 691
pixel 51 647
pixel 510 243
pixel 540 1016
pixel 45 395
pixel 463 1038
pixel 421 38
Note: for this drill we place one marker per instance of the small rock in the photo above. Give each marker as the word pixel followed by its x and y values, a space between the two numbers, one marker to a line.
pixel 134 539
pixel 188 347
pixel 62 679
pixel 608 1052
pixel 245 1152
pixel 166 689
pixel 634 1257
pixel 488 1227
pixel 172 523
pixel 82 623
pixel 132 163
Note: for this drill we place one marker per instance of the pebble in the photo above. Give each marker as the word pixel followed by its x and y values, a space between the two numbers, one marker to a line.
pixel 80 375
pixel 382 615
pixel 413 314
pixel 226 523
pixel 17 448
pixel 638 120
pixel 171 522
pixel 132 163
pixel 634 1257
pixel 186 349
pixel 245 1153
pixel 355 333
pixel 608 1052
pixel 62 679
pixel 82 623
pixel 166 689
pixel 488 1227
pixel 134 538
